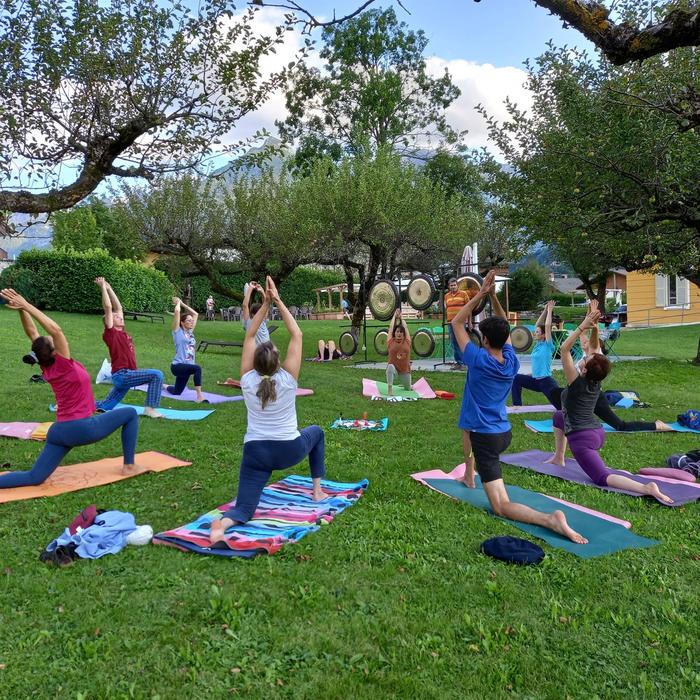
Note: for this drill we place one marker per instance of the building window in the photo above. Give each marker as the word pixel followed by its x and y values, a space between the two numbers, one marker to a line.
pixel 672 291
pixel 672 299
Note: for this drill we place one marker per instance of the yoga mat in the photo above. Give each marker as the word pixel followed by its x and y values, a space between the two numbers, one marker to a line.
pixel 286 513
pixel 235 384
pixel 545 426
pixel 458 472
pixel 538 408
pixel 681 492
pixel 172 413
pixel 190 395
pixel 24 431
pixel 378 390
pixel 76 477
pixel 603 537
pixel 361 424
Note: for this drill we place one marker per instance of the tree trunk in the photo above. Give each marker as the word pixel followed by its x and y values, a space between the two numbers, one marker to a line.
pixel 696 360
pixel 366 282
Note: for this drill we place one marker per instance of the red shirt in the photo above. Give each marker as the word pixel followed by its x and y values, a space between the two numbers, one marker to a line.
pixel 121 349
pixel 72 388
pixel 400 355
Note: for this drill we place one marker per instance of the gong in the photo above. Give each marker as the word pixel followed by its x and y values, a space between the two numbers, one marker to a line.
pixel 420 292
pixel 521 338
pixel 347 343
pixel 423 342
pixel 383 299
pixel 381 342
pixel 471 283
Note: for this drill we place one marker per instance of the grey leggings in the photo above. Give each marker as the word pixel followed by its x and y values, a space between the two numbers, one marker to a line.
pixel 403 377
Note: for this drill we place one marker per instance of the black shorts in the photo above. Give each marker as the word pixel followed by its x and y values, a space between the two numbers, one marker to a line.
pixel 487 449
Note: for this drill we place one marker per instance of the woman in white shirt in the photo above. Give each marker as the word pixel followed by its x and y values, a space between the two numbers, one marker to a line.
pixel 272 440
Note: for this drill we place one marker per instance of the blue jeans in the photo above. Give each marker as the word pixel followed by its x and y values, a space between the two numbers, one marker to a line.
pixel 459 357
pixel 262 457
pixel 544 385
pixel 125 379
pixel 63 436
pixel 183 372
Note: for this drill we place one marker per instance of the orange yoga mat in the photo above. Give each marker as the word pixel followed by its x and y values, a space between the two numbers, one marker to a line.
pixel 75 477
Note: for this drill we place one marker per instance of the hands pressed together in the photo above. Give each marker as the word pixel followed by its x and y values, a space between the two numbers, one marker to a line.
pixel 14 299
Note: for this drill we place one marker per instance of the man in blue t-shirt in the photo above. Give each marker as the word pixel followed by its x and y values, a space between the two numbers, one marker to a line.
pixel 483 418
pixel 541 379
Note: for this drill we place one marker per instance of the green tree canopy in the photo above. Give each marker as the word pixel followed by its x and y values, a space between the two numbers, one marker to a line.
pixel 374 88
pixel 76 229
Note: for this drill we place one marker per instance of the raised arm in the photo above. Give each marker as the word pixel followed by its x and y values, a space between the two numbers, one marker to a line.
pixel 292 363
pixel 177 303
pixel 29 314
pixel 567 361
pixel 249 340
pixel 114 300
pixel 106 301
pixel 549 310
pixel 191 311
pixel 247 293
pixel 467 310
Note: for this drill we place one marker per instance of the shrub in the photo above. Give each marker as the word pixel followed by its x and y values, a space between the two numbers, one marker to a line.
pixel 64 280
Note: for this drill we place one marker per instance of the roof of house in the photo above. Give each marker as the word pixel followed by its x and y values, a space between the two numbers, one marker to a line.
pixel 566 285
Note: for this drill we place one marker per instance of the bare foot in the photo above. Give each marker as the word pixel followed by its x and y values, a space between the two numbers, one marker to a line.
pixel 318 495
pixel 152 413
pixel 468 481
pixel 660 425
pixel 556 459
pixel 557 521
pixel 216 531
pixel 134 469
pixel 651 489
pixel 201 399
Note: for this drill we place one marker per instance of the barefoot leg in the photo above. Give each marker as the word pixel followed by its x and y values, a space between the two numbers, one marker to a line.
pixel 317 493
pixel 218 528
pixel 650 489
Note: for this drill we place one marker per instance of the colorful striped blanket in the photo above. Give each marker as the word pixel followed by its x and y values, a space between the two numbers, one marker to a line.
pixel 286 513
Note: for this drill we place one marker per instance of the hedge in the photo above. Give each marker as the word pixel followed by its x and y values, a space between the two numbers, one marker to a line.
pixel 64 280
pixel 296 290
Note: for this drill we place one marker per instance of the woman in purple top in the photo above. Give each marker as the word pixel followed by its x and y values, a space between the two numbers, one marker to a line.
pixel 183 365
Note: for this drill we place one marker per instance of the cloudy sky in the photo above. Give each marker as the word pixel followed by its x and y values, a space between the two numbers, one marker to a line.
pixel 483 45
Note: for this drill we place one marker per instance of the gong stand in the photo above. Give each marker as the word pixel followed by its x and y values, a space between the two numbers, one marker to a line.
pixel 457 273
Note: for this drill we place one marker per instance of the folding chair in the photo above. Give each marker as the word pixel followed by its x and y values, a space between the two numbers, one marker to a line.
pixel 609 339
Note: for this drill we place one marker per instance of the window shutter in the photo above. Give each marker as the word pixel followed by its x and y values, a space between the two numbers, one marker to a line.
pixel 683 292
pixel 661 290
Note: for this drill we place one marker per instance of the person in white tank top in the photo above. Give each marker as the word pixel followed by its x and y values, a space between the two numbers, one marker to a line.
pixel 272 439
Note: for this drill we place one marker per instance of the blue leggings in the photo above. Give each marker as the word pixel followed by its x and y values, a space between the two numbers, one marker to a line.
pixel 63 436
pixel 262 457
pixel 544 385
pixel 125 379
pixel 183 372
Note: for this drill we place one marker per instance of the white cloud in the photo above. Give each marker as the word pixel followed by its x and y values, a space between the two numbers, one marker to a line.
pixel 485 84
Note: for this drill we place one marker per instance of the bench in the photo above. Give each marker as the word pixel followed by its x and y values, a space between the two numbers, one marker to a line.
pixel 204 344
pixel 143 314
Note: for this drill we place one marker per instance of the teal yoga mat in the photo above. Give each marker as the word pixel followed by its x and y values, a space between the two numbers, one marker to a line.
pixel 603 536
pixel 172 413
pixel 545 426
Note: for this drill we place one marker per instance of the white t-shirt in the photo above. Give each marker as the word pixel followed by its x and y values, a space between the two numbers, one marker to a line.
pixel 262 335
pixel 278 421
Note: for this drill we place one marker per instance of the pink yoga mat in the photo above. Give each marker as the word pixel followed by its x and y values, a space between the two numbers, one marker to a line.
pixel 458 473
pixel 421 387
pixel 19 430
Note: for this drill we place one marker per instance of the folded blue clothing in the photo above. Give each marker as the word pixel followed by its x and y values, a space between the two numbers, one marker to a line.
pixel 106 535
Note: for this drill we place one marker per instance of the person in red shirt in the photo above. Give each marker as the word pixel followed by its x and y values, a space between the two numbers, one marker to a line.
pixel 399 346
pixel 125 374
pixel 75 423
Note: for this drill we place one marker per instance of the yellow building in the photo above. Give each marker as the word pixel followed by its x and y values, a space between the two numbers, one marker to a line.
pixel 656 300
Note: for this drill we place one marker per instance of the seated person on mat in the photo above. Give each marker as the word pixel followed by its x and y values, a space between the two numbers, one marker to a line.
pixel 577 423
pixel 399 347
pixel 183 365
pixel 541 379
pixel 590 345
pixel 75 424
pixel 272 440
pixel 327 351
pixel 250 308
pixel 122 355
pixel 483 418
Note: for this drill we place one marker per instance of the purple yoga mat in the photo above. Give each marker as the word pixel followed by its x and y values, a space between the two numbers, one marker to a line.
pixel 681 492
pixel 190 395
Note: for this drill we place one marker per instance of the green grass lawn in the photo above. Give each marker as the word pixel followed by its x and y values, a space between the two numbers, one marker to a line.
pixel 392 599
